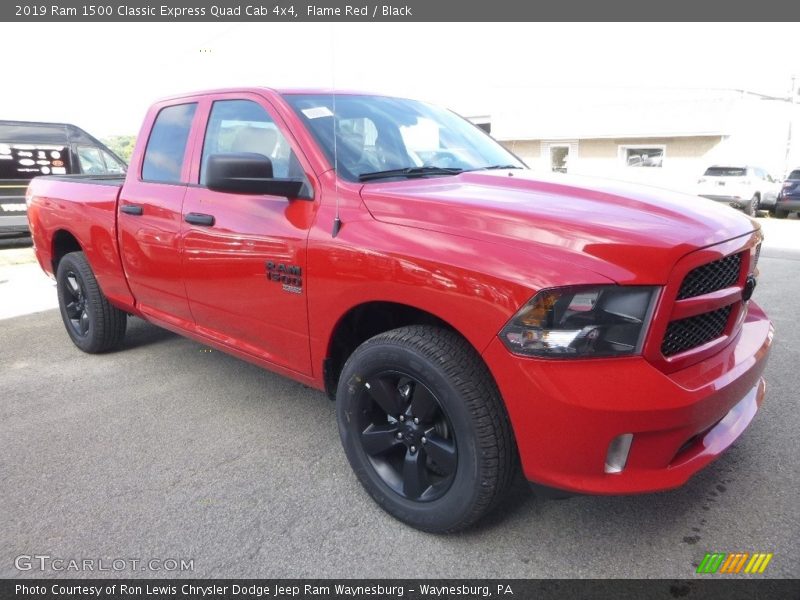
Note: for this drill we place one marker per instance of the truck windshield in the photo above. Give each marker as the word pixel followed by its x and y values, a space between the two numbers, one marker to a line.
pixel 377 137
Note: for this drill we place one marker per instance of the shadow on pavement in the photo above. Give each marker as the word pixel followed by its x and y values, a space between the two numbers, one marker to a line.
pixel 141 333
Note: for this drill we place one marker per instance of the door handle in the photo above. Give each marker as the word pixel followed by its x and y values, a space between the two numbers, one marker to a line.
pixel 132 209
pixel 200 219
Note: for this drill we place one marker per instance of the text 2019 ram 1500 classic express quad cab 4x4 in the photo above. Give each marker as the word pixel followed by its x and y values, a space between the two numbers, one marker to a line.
pixel 467 315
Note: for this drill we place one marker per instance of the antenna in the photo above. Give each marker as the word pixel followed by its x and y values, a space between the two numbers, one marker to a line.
pixel 337 221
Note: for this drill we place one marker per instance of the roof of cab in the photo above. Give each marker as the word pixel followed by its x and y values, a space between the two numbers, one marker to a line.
pixel 43 132
pixel 273 91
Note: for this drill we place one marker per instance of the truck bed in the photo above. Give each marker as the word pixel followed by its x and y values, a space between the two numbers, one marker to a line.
pixel 83 207
pixel 116 180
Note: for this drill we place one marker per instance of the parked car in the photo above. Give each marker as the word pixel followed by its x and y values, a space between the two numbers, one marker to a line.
pixel 747 188
pixel 466 317
pixel 789 196
pixel 29 149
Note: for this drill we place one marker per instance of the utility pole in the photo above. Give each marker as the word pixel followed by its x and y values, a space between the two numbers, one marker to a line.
pixel 793 103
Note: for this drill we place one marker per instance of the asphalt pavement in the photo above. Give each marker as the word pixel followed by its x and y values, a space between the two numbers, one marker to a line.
pixel 169 451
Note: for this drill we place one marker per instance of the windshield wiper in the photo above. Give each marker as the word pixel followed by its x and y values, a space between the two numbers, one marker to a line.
pixel 408 172
pixel 496 167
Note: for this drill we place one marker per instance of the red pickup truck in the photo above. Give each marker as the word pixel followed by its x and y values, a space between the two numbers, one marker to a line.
pixel 467 315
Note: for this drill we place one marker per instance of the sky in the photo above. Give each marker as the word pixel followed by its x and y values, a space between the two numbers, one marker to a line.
pixel 114 71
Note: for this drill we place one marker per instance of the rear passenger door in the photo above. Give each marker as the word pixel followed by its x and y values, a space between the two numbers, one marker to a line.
pixel 245 254
pixel 149 218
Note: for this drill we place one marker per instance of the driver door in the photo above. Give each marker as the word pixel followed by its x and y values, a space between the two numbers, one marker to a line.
pixel 244 256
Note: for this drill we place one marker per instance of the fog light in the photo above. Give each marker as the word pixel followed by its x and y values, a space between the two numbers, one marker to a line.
pixel 617 454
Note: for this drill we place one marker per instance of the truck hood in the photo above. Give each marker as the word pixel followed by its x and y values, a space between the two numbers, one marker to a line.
pixel 626 232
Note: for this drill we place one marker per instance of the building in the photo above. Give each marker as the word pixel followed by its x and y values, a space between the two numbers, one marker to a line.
pixel 665 137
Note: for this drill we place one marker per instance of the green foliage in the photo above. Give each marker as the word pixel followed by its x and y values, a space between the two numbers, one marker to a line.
pixel 121 145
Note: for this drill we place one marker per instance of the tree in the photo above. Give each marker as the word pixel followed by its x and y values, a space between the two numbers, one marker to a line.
pixel 121 145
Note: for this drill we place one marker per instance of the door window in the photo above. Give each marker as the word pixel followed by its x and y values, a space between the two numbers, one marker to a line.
pixel 95 161
pixel 112 164
pixel 91 160
pixel 163 157
pixel 244 126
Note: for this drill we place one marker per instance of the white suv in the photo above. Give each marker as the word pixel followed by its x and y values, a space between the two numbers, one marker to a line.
pixel 748 188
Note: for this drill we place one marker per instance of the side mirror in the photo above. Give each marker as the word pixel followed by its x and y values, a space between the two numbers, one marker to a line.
pixel 248 173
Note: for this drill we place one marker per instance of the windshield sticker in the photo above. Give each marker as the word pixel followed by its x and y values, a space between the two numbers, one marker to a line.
pixel 317 112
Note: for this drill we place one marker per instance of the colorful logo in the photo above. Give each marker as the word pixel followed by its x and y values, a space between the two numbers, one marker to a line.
pixel 734 562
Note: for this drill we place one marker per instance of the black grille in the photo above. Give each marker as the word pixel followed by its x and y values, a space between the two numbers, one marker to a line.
pixel 686 334
pixel 711 277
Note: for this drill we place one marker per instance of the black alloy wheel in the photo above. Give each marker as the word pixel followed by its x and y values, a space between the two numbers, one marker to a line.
pixel 407 436
pixel 92 322
pixel 75 304
pixel 424 427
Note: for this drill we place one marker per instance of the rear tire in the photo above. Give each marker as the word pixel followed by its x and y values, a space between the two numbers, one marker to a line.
pixel 424 428
pixel 93 324
pixel 781 214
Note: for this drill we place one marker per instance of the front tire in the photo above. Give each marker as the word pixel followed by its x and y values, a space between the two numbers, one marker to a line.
pixel 93 324
pixel 781 214
pixel 424 428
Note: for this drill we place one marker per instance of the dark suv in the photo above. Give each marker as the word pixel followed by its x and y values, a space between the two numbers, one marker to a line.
pixel 789 196
pixel 29 149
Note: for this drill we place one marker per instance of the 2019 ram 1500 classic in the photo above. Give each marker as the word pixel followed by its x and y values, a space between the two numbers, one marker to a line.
pixel 467 315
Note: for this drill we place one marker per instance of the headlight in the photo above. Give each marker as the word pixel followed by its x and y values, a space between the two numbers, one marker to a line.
pixel 580 321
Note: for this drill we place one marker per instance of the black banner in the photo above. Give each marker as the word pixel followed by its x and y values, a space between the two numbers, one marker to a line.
pixel 413 589
pixel 395 10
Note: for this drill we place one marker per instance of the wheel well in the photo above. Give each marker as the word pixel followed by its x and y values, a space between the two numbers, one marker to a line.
pixel 363 322
pixel 63 243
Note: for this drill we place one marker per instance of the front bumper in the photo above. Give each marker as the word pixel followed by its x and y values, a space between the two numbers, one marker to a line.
pixel 565 413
